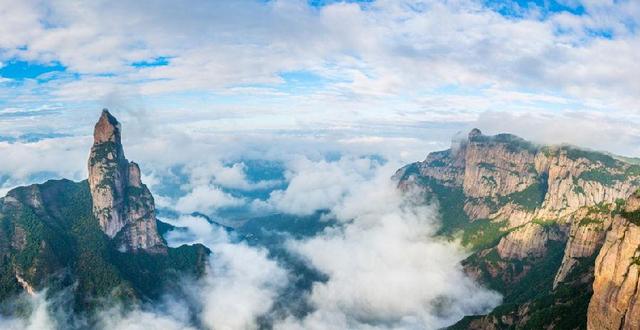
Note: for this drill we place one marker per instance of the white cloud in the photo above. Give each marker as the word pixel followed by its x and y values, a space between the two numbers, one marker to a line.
pixel 318 185
pixel 233 176
pixel 371 60
pixel 386 268
pixel 206 199
pixel 65 156
pixel 241 283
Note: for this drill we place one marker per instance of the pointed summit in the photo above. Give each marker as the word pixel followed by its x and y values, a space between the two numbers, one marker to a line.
pixel 122 204
pixel 107 129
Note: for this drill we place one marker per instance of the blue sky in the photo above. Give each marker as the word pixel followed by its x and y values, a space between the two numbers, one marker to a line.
pixel 368 67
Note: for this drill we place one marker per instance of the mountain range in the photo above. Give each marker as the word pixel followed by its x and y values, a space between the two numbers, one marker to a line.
pixel 555 229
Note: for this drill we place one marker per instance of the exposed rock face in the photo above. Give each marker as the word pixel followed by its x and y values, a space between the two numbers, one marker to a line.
pixel 615 303
pixel 108 171
pixel 123 205
pixel 529 240
pixel 586 235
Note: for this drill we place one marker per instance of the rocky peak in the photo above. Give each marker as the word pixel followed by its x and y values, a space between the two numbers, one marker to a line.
pixel 107 129
pixel 122 204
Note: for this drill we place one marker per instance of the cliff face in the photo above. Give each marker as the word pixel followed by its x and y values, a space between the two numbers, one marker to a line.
pixel 123 205
pixel 505 178
pixel 535 217
pixel 616 288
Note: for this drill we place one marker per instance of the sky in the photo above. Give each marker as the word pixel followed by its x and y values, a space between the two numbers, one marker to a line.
pixel 549 70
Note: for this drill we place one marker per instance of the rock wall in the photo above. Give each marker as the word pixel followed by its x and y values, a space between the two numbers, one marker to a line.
pixel 615 303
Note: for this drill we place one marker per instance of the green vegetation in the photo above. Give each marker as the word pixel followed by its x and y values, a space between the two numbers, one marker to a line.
pixel 602 176
pixel 530 198
pixel 512 143
pixel 521 280
pixel 633 216
pixel 527 288
pixel 482 233
pixel 632 170
pixel 64 245
pixel 620 203
pixel 490 180
pixel 577 189
pixel 587 221
pixel 451 201
pixel 487 166
pixel 409 170
pixel 476 234
pixel 545 223
pixel 593 156
pixel 437 163
pixel 102 150
pixel 600 208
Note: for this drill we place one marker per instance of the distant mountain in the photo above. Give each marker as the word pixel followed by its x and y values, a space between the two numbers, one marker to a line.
pixel 98 237
pixel 536 218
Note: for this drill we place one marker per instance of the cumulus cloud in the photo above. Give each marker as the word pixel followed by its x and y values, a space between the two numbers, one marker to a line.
pixel 319 185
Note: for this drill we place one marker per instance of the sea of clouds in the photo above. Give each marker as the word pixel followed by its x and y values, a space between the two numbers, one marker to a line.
pixel 385 267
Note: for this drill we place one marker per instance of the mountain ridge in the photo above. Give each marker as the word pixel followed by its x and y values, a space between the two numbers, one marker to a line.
pixel 534 217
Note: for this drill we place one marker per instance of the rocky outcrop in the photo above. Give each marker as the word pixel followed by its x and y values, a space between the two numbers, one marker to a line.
pixel 586 235
pixel 122 204
pixel 615 303
pixel 530 240
pixel 108 172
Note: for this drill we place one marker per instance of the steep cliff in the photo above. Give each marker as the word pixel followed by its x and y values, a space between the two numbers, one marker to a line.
pixel 534 216
pixel 616 288
pixel 123 205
